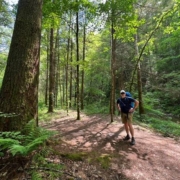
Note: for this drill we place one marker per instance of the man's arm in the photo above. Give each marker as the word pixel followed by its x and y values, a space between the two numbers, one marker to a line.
pixel 136 104
pixel 118 106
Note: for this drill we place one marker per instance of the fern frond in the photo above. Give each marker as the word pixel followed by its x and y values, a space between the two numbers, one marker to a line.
pixel 18 149
pixel 27 149
pixel 12 134
pixel 36 132
pixel 36 143
pixel 7 143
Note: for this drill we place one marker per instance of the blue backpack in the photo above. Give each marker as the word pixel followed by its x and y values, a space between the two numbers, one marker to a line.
pixel 128 94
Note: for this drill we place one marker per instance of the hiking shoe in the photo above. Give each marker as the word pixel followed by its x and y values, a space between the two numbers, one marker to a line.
pixel 126 138
pixel 132 141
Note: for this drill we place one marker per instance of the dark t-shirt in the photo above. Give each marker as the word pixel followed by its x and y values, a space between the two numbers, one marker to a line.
pixel 125 104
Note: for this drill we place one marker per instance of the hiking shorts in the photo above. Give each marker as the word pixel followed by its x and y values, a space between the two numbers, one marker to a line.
pixel 126 117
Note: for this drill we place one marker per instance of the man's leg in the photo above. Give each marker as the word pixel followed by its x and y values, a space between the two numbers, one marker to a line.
pixel 124 121
pixel 131 129
pixel 126 128
pixel 127 131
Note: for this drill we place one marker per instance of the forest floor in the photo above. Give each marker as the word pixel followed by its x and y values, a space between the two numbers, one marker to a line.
pixel 107 156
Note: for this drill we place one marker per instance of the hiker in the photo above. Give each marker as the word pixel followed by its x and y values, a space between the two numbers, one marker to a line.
pixel 124 104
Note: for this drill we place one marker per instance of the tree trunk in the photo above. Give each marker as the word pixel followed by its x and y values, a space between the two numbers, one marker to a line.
pixel 56 69
pixel 113 60
pixel 77 59
pixel 82 81
pixel 141 108
pixel 70 86
pixel 67 72
pixel 51 73
pixel 47 71
pixel 19 91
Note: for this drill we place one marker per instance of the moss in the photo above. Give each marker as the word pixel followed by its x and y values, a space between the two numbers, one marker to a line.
pixel 104 160
pixel 74 156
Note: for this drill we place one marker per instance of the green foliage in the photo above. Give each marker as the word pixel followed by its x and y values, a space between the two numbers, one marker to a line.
pixel 20 144
pixel 74 156
pixel 163 125
pixel 7 143
pixel 36 176
pixel 42 167
pixel 169 93
pixel 44 115
pixel 98 107
pixel 169 64
pixel 104 160
pixel 31 139
pixel 151 103
pixel 13 135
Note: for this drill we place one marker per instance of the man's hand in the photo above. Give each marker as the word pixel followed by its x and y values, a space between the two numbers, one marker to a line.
pixel 131 110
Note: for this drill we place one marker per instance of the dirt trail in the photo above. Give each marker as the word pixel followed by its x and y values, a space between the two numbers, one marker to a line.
pixel 154 157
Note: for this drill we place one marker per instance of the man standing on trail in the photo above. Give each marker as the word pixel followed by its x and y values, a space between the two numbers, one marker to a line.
pixel 124 105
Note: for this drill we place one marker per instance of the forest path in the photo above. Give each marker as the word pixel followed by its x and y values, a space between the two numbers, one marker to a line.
pixel 154 157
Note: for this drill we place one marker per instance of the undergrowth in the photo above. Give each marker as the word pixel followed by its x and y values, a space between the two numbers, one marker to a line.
pixel 29 151
pixel 96 108
pixel 162 124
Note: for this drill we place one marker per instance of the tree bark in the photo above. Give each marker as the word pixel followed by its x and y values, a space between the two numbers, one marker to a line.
pixel 47 71
pixel 141 108
pixel 67 71
pixel 19 91
pixel 70 85
pixel 51 73
pixel 77 59
pixel 113 60
pixel 82 80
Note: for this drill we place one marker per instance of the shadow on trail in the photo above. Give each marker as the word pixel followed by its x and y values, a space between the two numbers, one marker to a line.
pixel 97 136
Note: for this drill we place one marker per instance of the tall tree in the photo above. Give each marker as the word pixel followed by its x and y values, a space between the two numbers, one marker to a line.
pixel 77 67
pixel 47 69
pixel 139 78
pixel 51 73
pixel 82 73
pixel 113 61
pixel 19 91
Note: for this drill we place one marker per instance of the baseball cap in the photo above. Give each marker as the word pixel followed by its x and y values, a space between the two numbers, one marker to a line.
pixel 122 91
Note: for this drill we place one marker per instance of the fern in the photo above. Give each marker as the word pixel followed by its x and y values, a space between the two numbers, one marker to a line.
pixel 18 149
pixel 7 143
pixel 19 144
pixel 31 139
pixel 13 135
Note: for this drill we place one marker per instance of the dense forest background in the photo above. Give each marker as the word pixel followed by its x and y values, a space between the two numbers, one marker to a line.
pixel 92 49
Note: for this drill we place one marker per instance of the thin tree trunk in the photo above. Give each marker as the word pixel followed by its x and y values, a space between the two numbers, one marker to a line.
pixel 141 108
pixel 113 60
pixel 47 71
pixel 70 88
pixel 67 72
pixel 51 73
pixel 19 91
pixel 82 80
pixel 60 82
pixel 77 56
pixel 56 71
pixel 63 86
